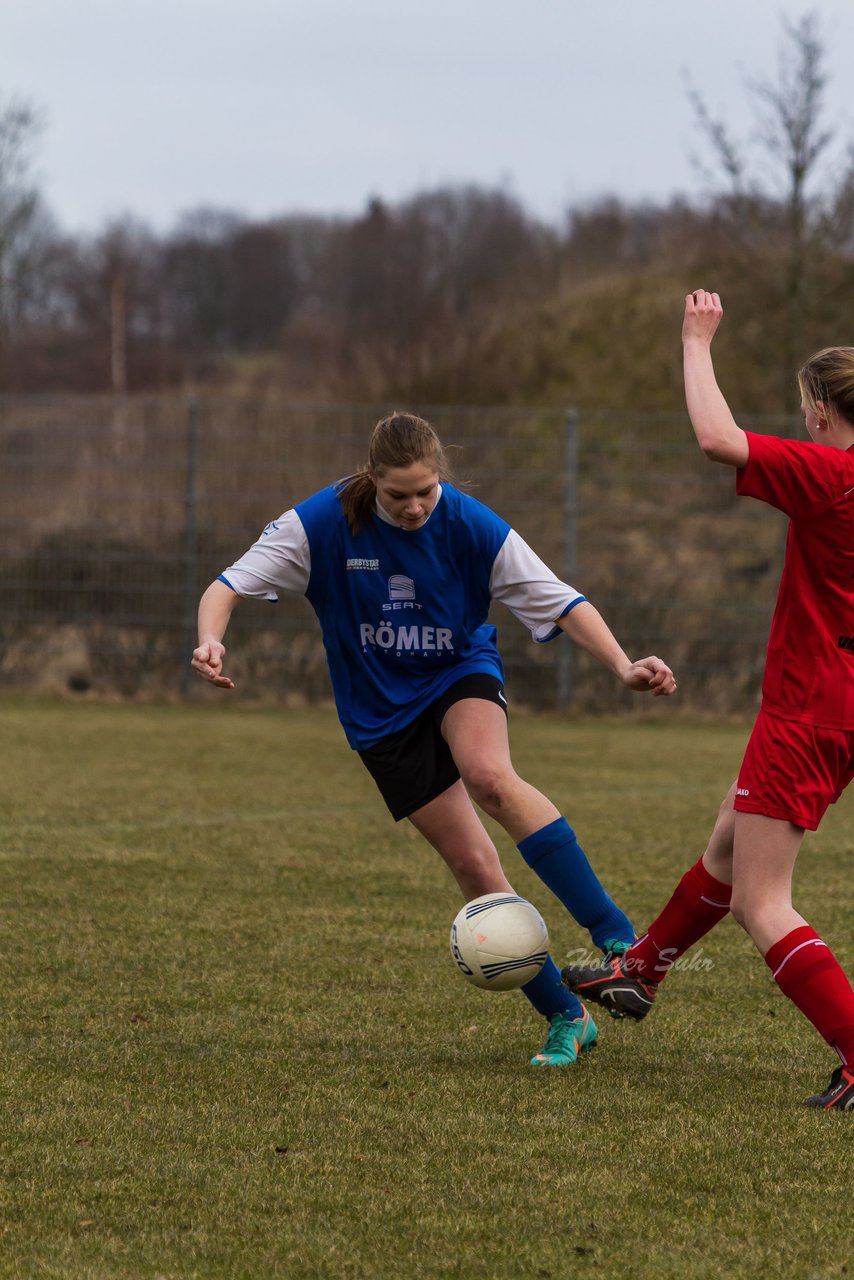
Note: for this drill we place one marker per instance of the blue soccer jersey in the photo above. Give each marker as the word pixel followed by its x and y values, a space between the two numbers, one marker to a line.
pixel 402 611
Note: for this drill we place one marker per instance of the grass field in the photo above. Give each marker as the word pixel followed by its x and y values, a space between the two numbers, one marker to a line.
pixel 235 1045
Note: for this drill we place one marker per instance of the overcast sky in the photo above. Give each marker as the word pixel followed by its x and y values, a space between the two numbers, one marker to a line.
pixel 156 107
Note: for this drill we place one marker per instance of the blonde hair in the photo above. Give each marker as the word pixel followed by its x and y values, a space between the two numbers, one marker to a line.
pixel 396 441
pixel 828 376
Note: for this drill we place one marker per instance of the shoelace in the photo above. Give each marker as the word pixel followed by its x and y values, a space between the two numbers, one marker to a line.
pixel 561 1033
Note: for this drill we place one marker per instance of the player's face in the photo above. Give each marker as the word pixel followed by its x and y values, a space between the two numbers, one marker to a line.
pixel 408 494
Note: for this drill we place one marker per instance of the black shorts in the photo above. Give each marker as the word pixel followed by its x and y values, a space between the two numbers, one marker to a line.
pixel 414 765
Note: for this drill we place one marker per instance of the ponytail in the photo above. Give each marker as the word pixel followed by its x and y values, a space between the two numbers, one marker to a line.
pixel 357 494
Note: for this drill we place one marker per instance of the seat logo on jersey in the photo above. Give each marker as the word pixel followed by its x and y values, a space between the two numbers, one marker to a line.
pixel 400 587
pixel 401 594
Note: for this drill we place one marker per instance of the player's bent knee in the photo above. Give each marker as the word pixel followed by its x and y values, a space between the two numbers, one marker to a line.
pixel 490 788
pixel 754 916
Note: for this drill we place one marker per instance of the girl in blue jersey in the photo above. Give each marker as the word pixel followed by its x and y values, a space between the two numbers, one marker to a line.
pixel 401 569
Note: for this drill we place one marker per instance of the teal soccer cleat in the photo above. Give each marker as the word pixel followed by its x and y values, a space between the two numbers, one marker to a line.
pixel 614 947
pixel 567 1038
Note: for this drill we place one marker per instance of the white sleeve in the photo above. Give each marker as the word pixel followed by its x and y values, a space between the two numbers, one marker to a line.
pixel 279 561
pixel 530 590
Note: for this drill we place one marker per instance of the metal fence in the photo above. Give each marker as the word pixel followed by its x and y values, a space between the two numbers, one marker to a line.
pixel 115 514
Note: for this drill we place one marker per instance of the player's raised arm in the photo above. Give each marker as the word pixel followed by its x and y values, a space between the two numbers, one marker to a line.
pixel 215 610
pixel 718 435
pixel 585 625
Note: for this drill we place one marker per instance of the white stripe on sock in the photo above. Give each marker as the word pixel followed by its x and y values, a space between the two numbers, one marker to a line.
pixel 810 942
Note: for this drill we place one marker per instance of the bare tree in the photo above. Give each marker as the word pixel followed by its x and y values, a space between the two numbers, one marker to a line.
pixel 787 200
pixel 25 226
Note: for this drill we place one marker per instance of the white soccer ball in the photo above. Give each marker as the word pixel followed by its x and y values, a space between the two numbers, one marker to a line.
pixel 499 941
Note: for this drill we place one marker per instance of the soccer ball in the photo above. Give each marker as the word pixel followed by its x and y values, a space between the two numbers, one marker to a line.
pixel 499 941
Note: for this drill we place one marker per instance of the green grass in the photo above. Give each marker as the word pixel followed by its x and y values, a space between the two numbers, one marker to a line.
pixel 235 1045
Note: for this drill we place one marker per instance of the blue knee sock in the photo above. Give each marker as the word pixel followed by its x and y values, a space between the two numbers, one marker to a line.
pixel 549 996
pixel 559 860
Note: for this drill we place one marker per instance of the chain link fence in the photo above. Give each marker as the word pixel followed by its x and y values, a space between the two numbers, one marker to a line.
pixel 115 515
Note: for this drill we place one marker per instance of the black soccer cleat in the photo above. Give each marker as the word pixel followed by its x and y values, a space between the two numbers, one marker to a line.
pixel 623 994
pixel 839 1094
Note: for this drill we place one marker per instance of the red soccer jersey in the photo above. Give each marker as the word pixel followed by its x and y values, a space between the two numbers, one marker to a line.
pixel 809 670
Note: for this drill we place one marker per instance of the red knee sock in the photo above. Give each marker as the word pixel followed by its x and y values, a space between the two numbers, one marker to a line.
pixel 699 902
pixel 806 970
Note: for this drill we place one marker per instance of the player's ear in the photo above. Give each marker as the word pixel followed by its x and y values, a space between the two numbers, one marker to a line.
pixel 821 415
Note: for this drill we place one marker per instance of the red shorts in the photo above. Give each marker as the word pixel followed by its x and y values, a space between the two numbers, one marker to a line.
pixel 793 771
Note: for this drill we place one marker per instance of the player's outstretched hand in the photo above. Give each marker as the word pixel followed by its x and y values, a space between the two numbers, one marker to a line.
pixel 207 660
pixel 703 313
pixel 650 675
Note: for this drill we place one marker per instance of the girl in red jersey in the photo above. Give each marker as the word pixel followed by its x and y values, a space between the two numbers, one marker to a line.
pixel 800 756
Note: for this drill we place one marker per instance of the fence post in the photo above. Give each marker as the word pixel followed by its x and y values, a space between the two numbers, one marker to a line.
pixel 188 627
pixel 570 497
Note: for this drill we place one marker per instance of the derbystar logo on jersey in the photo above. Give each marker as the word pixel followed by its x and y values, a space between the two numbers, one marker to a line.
pixel 399 635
